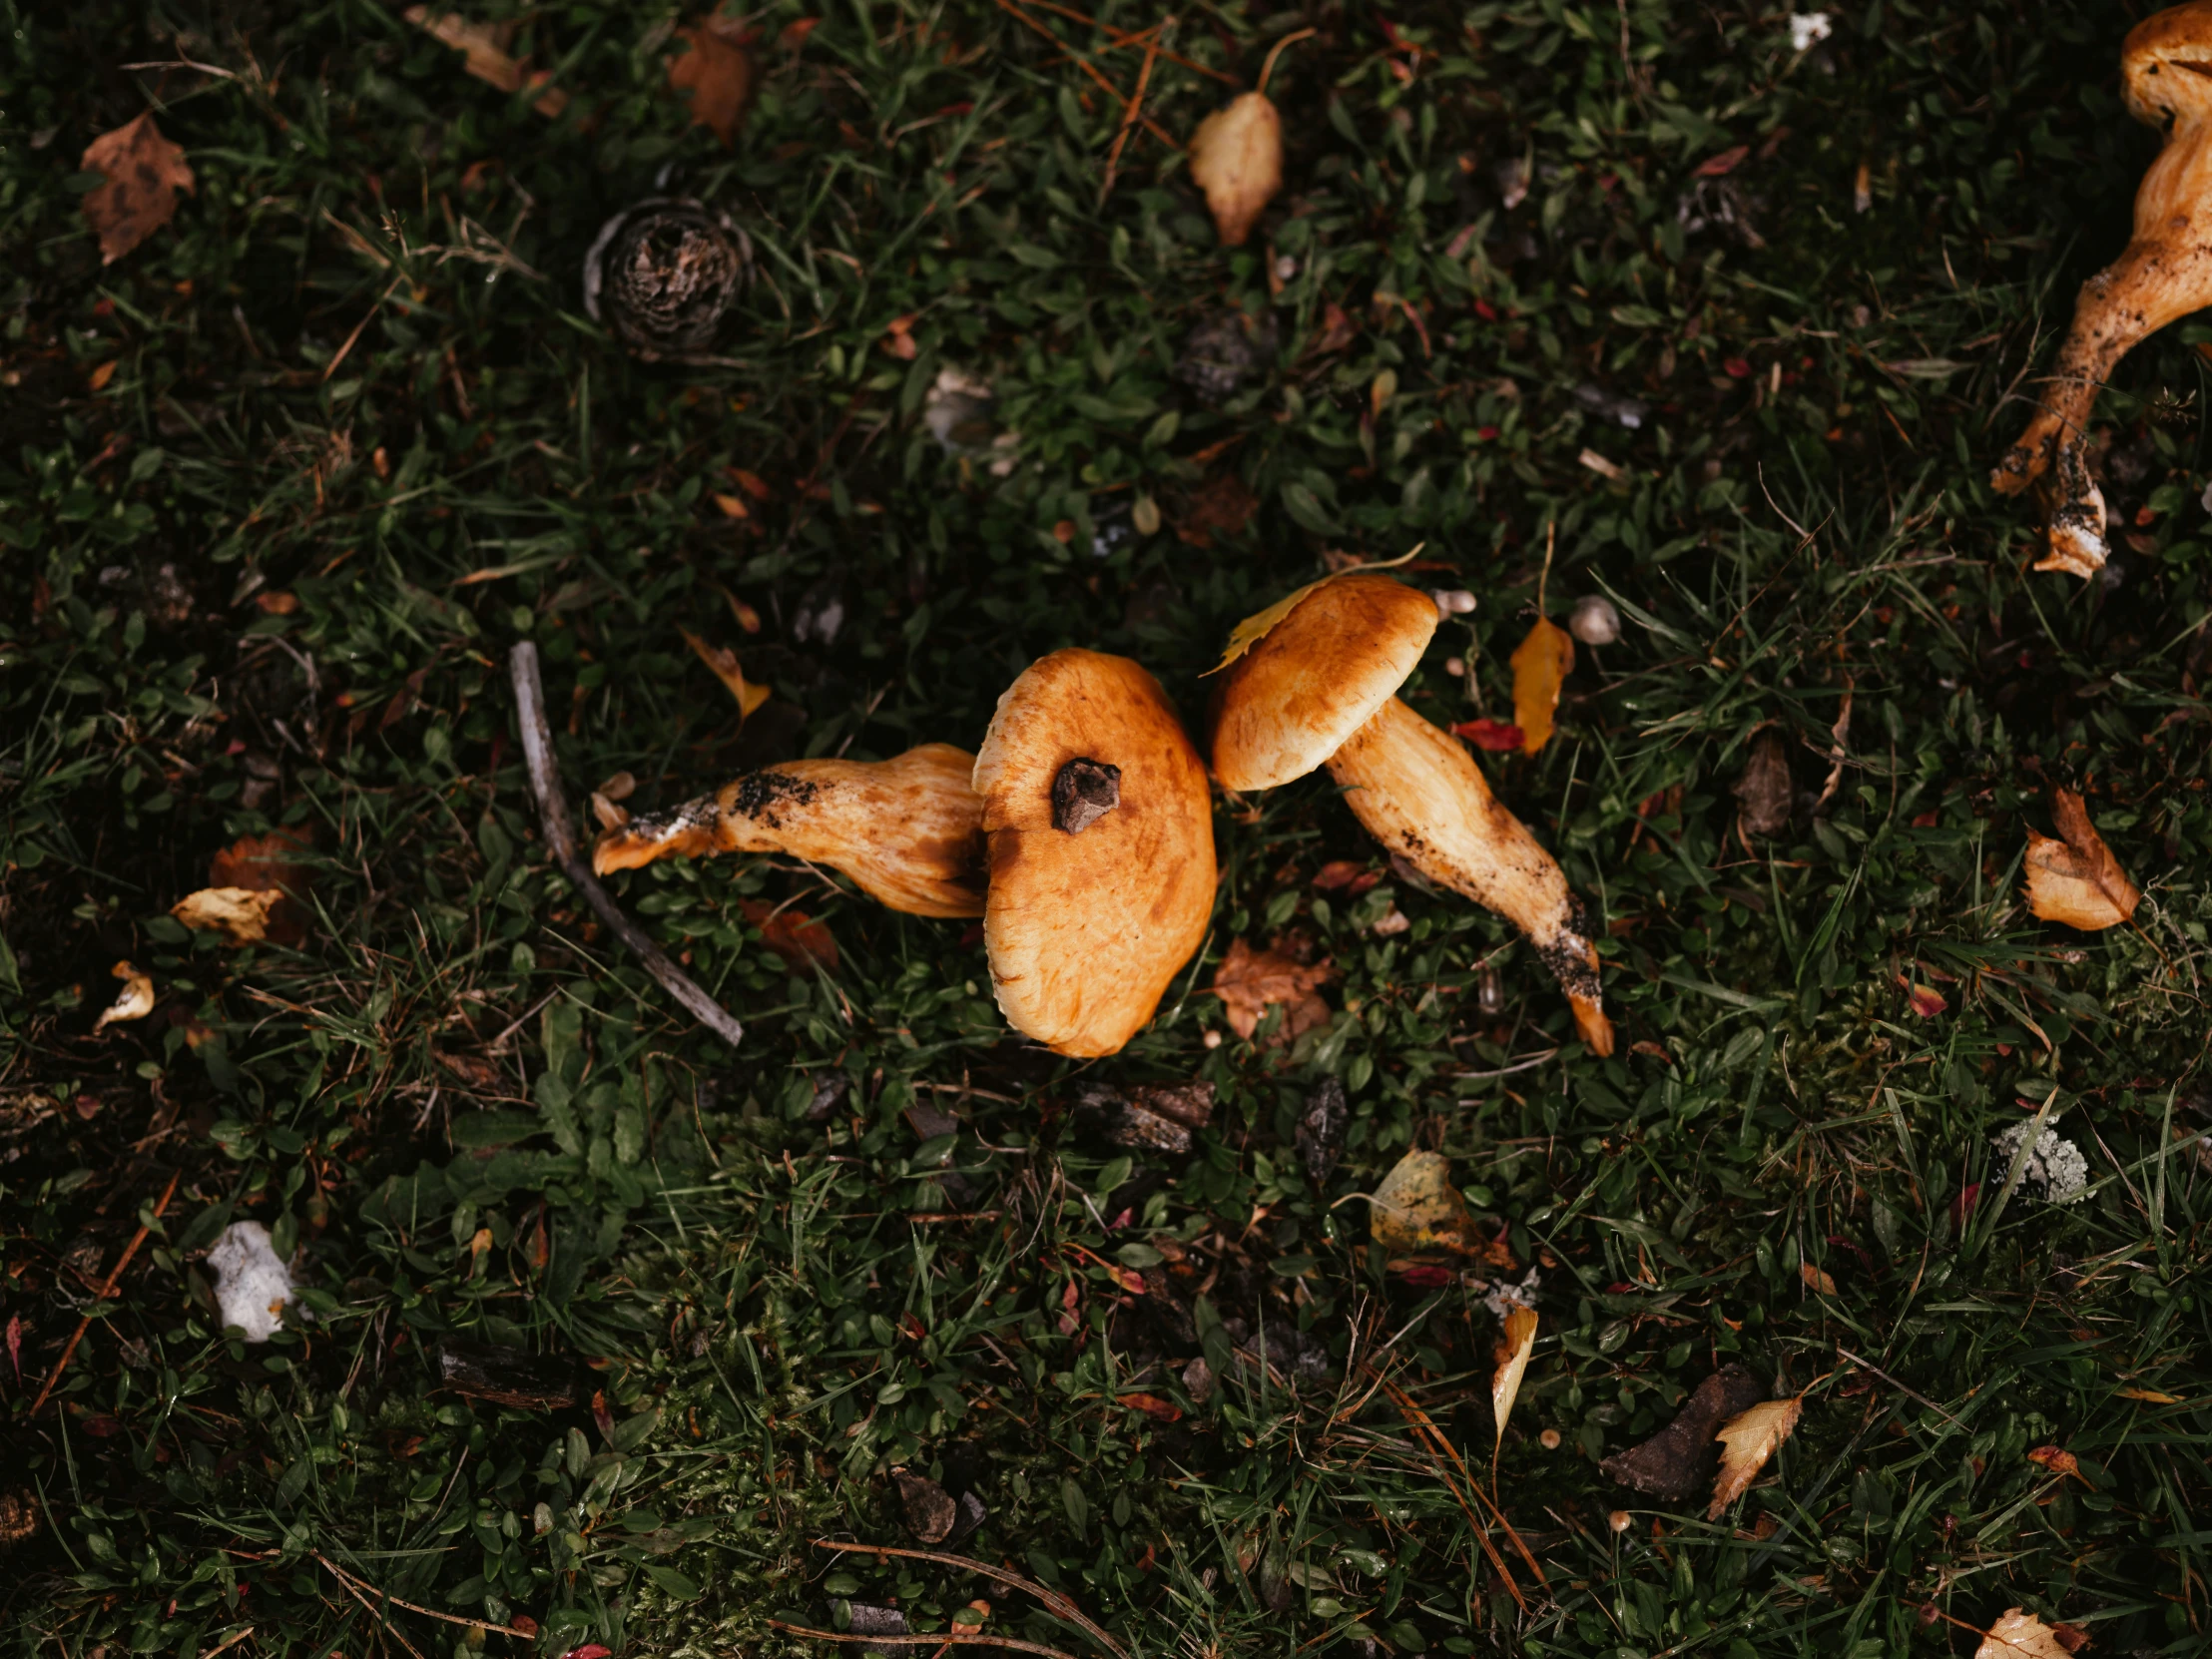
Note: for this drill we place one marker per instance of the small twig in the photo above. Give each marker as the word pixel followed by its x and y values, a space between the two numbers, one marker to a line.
pixel 1087 67
pixel 1121 37
pixel 228 1643
pixel 1054 1602
pixel 1267 68
pixel 106 1291
pixel 350 1580
pixel 1544 577
pixel 945 1638
pixel 1839 736
pixel 1135 106
pixel 545 784
pixel 1864 1365
pixel 347 1585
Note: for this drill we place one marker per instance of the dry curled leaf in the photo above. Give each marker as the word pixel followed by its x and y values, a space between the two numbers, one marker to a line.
pixel 1766 789
pixel 266 863
pixel 2019 1634
pixel 484 46
pixel 134 1001
pixel 714 76
pixel 1747 1442
pixel 142 173
pixel 1249 982
pixel 724 662
pixel 1541 663
pixel 1512 1361
pixel 2059 1460
pixel 1418 1210
pixel 239 914
pixel 1236 159
pixel 2074 878
pixel 1817 1279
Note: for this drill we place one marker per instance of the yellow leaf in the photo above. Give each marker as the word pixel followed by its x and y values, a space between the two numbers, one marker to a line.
pixel 1747 1442
pixel 2074 878
pixel 239 914
pixel 1236 159
pixel 1255 627
pixel 1520 1337
pixel 724 662
pixel 134 1001
pixel 2150 1395
pixel 1541 663
pixel 103 373
pixel 732 507
pixel 2021 1635
pixel 1418 1210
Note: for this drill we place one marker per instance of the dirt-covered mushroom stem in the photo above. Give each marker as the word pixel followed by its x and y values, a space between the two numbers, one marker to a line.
pixel 2163 274
pixel 1419 792
pixel 907 831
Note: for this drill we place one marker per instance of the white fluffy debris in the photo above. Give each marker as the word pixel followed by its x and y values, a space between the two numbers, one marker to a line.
pixel 1809 29
pixel 1505 1296
pixel 252 1287
pixel 2057 1165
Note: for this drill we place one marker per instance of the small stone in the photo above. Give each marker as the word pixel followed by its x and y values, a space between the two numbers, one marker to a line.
pixel 1198 1382
pixel 1594 620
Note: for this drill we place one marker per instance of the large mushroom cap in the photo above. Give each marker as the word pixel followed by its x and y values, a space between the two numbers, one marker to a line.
pixel 1317 677
pixel 1101 836
pixel 2166 65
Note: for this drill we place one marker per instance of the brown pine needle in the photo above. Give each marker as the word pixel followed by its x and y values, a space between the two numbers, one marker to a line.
pixel 106 1291
pixel 1131 112
pixel 1085 64
pixel 1054 1602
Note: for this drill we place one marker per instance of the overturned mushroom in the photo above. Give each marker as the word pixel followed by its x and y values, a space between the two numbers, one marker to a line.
pixel 1101 838
pixel 2163 274
pixel 1319 687
pixel 907 830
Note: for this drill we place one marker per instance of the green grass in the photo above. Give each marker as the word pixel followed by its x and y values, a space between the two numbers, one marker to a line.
pixel 1801 516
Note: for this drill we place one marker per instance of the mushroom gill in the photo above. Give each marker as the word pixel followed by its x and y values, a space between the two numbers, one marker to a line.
pixel 2163 274
pixel 907 831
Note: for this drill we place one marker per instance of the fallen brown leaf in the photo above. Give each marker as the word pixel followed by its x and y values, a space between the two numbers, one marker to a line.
pixel 1236 159
pixel 1152 1406
pixel 1249 982
pixel 1221 506
pixel 1512 1361
pixel 1766 789
pixel 715 76
pixel 2150 1395
pixel 1417 1210
pixel 2074 878
pixel 724 662
pixel 134 1001
pixel 2059 1460
pixel 239 914
pixel 1817 1279
pixel 801 941
pixel 1747 1442
pixel 264 864
pixel 2019 1634
pixel 142 173
pixel 484 47
pixel 1541 663
pixel 1679 1459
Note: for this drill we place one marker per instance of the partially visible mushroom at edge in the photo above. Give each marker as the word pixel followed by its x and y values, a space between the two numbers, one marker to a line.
pixel 1318 687
pixel 1101 834
pixel 907 831
pixel 2163 274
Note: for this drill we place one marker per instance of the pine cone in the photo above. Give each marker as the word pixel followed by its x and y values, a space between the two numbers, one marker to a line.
pixel 664 276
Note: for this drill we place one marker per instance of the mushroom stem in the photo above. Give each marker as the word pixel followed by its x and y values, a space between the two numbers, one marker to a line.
pixel 2163 274
pixel 907 831
pixel 1420 794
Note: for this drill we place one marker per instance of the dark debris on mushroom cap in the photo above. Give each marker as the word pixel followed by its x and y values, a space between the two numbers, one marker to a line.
pixel 664 276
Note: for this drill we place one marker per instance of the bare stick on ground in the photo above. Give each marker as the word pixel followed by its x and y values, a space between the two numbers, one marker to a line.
pixel 560 840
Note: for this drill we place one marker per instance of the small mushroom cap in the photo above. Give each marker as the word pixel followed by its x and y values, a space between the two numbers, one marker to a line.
pixel 1085 930
pixel 907 831
pixel 1317 677
pixel 2165 63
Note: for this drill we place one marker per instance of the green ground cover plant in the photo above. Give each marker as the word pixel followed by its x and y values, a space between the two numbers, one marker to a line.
pixel 1736 326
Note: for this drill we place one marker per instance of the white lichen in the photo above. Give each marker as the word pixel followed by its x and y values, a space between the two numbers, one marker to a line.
pixel 1809 29
pixel 2055 1166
